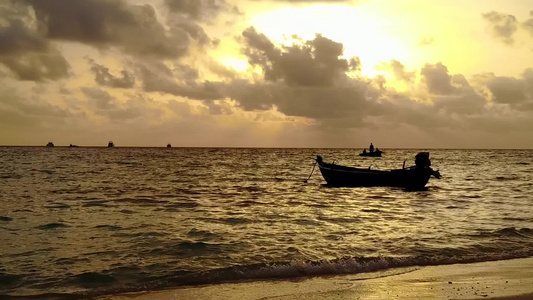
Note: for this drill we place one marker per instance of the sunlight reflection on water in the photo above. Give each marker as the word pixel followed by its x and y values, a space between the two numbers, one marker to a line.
pixel 68 211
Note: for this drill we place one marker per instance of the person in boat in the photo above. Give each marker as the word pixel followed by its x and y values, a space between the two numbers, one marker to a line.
pixel 364 151
pixel 371 148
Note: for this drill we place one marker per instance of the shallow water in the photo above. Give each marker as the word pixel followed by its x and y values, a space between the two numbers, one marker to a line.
pixel 98 220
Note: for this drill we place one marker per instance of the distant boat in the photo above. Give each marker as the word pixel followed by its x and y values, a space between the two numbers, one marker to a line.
pixel 376 153
pixel 110 144
pixel 73 145
pixel 415 177
pixel 50 144
pixel 169 145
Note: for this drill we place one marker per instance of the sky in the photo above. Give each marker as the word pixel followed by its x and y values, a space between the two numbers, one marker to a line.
pixel 259 73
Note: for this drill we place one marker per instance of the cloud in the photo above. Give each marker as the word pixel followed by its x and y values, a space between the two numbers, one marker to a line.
pixel 502 25
pixel 221 70
pixel 105 78
pixel 334 100
pixel 308 84
pixel 515 92
pixel 134 29
pixel 199 9
pixel 398 69
pixel 528 24
pixel 313 63
pixel 135 106
pixel 157 77
pixel 25 52
pixel 37 66
pixel 99 98
pixel 28 111
pixel 465 102
pixel 507 90
pixel 437 79
pixel 341 103
pixel 310 102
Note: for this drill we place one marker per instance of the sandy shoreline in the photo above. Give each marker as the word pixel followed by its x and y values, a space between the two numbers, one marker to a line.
pixel 509 280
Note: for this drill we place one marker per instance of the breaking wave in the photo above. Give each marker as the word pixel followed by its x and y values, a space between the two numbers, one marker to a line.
pixel 134 279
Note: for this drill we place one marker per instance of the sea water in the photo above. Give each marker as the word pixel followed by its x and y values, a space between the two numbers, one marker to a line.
pixel 95 221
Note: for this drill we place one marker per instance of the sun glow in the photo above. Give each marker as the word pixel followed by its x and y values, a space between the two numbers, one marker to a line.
pixel 238 64
pixel 362 32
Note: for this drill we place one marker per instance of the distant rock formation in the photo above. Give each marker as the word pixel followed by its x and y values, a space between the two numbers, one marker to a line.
pixel 110 144
pixel 50 144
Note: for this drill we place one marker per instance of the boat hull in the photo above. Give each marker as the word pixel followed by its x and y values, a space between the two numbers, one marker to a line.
pixel 371 154
pixel 342 176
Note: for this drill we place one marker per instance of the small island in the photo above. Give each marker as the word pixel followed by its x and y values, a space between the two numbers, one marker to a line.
pixel 50 144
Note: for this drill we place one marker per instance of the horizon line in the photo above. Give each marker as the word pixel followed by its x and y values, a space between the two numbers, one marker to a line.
pixel 261 147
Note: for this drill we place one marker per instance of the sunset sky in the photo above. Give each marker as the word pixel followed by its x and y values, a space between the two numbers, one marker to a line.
pixel 256 73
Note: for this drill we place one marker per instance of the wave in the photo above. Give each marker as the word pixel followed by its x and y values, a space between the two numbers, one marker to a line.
pixel 52 226
pixel 108 227
pixel 143 278
pixel 504 178
pixel 93 280
pixel 505 232
pixel 202 234
pixel 118 281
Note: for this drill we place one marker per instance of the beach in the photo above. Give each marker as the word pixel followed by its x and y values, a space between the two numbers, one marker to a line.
pixel 507 279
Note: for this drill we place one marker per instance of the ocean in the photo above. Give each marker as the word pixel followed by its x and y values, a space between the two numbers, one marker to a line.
pixel 88 221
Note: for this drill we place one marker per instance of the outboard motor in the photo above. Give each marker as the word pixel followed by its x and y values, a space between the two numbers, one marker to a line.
pixel 422 160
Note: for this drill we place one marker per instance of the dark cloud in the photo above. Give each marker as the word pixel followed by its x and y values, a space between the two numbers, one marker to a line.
pixel 437 79
pixel 528 81
pixel 16 38
pixel 198 9
pixel 338 101
pixel 308 79
pixel 451 94
pixel 37 66
pixel 510 92
pixel 194 30
pixel 105 78
pixel 463 103
pixel 136 105
pixel 502 25
pixel 311 102
pixel 221 70
pixel 99 98
pixel 507 90
pixel 528 24
pixel 103 23
pixel 157 77
pixel 25 52
pixel 314 63
pixel 21 111
pixel 398 69
pixel 400 73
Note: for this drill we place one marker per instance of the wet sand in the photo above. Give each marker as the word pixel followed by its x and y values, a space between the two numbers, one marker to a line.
pixel 503 280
